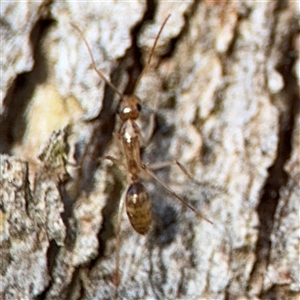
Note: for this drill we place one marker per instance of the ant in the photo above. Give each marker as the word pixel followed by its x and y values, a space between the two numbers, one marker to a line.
pixel 136 198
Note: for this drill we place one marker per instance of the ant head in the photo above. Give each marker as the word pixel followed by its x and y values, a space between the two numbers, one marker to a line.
pixel 129 108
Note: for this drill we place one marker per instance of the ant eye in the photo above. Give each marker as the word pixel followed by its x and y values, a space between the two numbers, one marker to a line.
pixel 139 107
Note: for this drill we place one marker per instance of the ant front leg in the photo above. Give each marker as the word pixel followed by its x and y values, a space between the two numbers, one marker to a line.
pixel 151 126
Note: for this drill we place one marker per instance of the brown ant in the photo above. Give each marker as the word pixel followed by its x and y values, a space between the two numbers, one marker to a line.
pixel 138 203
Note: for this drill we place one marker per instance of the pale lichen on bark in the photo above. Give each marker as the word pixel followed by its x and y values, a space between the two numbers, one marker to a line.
pixel 223 85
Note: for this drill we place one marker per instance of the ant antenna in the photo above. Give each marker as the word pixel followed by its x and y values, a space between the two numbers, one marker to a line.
pixel 94 63
pixel 151 53
pixel 143 71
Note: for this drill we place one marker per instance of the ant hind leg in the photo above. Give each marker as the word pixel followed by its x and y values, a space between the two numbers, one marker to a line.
pixel 173 193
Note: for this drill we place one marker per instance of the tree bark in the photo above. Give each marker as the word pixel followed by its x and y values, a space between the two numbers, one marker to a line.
pixel 224 86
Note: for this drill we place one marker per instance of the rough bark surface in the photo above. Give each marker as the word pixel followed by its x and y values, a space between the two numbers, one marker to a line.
pixel 224 86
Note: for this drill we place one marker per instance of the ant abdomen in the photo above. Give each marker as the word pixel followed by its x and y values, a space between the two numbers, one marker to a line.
pixel 138 207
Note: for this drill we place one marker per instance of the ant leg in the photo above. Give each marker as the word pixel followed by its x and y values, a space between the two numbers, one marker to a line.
pixel 116 276
pixel 117 138
pixel 173 193
pixel 163 164
pixel 113 159
pixel 160 165
pixel 151 127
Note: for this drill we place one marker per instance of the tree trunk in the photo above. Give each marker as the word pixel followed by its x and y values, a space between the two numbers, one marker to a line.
pixel 224 86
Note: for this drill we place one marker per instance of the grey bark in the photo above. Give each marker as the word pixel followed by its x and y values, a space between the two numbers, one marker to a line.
pixel 224 86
